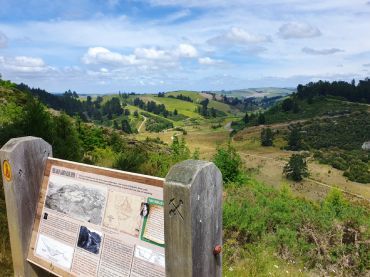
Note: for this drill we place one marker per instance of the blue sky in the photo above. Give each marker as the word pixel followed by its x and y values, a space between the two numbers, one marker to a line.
pixel 105 46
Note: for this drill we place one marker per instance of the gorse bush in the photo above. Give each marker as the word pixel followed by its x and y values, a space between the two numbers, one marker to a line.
pixel 331 237
pixel 229 162
pixel 354 163
pixel 130 160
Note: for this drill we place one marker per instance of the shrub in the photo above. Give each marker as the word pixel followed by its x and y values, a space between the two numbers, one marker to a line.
pixel 267 137
pixel 358 171
pixel 130 160
pixel 229 162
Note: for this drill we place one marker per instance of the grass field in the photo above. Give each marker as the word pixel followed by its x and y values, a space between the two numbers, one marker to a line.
pixel 195 96
pixel 183 107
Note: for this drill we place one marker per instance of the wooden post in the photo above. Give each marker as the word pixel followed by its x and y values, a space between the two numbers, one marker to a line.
pixel 193 219
pixel 23 162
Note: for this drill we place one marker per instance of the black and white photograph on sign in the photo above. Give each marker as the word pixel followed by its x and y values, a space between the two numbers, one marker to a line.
pixel 83 202
pixel 149 255
pixel 58 253
pixel 89 240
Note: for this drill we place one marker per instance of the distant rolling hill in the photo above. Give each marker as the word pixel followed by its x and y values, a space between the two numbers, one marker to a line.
pixel 257 92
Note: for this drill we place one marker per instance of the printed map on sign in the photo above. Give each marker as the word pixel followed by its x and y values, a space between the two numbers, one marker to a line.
pixel 123 212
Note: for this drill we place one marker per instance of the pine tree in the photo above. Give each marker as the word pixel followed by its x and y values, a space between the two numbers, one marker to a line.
pixel 296 168
pixel 295 139
pixel 267 137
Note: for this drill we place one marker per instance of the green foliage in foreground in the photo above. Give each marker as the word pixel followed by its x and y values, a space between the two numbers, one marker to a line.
pixel 266 230
pixel 157 163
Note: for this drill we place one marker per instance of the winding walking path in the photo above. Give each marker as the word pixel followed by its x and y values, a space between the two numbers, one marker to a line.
pixel 142 124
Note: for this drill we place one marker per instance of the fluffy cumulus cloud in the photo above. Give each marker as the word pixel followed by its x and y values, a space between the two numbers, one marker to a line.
pixel 141 58
pixel 328 51
pixel 185 50
pixel 24 64
pixel 3 40
pixel 101 55
pixel 152 54
pixel 239 36
pixel 297 30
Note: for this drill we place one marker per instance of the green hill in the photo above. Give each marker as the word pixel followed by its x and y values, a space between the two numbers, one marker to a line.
pixel 320 107
pixel 331 129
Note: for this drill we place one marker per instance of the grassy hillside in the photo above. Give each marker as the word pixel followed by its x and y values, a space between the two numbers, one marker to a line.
pixel 318 108
pixel 194 95
pixel 332 130
pixel 183 107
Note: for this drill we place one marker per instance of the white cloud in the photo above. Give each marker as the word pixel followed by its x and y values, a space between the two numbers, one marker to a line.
pixel 3 40
pixel 186 51
pixel 328 51
pixel 298 30
pixel 177 16
pixel 208 61
pixel 238 36
pixel 135 46
pixel 151 54
pixel 24 64
pixel 101 55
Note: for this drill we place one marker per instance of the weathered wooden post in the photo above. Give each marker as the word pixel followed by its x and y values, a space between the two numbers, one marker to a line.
pixel 193 219
pixel 23 162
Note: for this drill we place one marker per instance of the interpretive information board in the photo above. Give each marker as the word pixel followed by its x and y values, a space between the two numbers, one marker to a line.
pixel 94 221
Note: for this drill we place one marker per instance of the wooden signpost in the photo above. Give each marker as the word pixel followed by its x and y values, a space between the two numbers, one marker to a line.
pixel 72 219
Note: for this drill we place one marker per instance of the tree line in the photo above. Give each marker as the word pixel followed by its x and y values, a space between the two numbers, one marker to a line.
pixel 348 91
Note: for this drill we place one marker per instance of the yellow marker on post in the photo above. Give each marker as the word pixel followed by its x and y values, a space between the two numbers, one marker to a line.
pixel 7 171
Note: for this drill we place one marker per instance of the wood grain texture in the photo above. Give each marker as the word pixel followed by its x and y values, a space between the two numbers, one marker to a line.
pixel 193 219
pixel 27 157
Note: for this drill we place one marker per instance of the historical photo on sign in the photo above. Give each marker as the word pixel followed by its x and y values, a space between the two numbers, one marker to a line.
pixel 58 253
pixel 89 240
pixel 83 202
pixel 149 256
pixel 123 212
